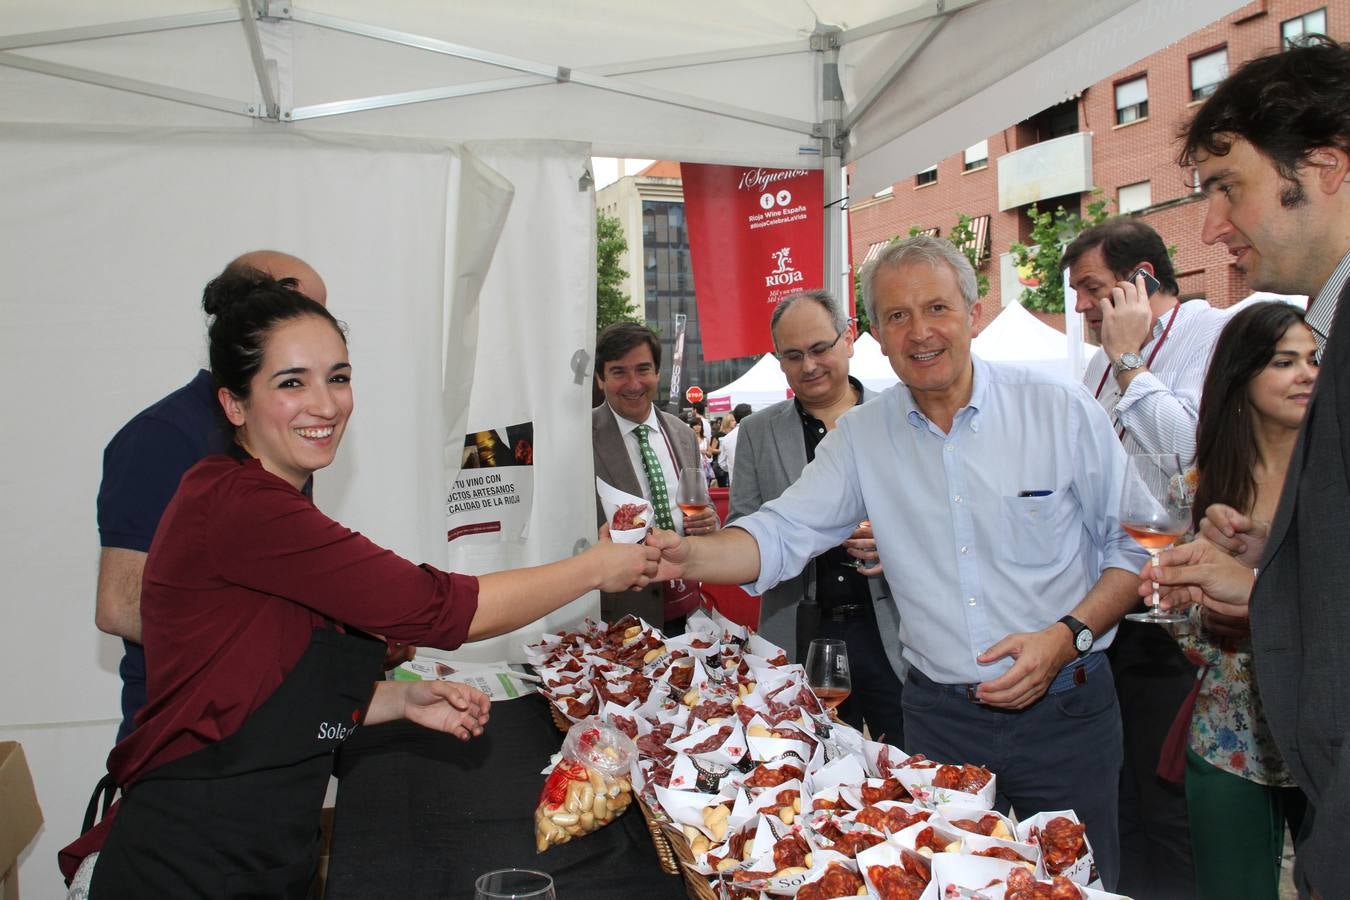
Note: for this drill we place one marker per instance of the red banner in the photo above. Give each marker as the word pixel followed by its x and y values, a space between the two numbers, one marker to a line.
pixel 755 236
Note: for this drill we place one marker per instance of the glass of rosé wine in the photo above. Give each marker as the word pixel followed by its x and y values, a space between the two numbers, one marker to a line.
pixel 1155 509
pixel 691 495
pixel 827 671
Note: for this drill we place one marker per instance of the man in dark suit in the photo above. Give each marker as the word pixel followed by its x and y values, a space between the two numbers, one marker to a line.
pixel 1272 149
pixel 842 593
pixel 641 450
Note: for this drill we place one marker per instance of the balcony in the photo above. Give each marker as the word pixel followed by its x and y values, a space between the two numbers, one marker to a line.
pixel 1049 169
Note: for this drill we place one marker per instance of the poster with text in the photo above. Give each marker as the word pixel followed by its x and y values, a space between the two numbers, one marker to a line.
pixel 494 492
pixel 755 236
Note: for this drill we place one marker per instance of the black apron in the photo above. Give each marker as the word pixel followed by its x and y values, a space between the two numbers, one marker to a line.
pixel 240 818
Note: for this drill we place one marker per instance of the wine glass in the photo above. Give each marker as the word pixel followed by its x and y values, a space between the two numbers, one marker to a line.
pixel 691 495
pixel 853 562
pixel 514 884
pixel 1155 509
pixel 827 671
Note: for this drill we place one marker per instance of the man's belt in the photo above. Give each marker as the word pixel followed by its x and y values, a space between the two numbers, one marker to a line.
pixel 1069 677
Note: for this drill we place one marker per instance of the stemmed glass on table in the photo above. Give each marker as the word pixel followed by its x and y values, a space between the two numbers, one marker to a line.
pixel 827 671
pixel 1155 509
pixel 691 495
pixel 514 884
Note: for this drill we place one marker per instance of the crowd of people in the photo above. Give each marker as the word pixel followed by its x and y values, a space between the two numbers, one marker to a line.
pixel 961 532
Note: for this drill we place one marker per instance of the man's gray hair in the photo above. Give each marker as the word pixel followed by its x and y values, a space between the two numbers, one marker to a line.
pixel 920 248
pixel 827 302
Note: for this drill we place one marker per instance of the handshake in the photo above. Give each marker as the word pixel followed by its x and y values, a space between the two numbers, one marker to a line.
pixel 661 556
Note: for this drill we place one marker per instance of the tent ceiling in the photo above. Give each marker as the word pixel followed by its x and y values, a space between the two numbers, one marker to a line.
pixel 702 80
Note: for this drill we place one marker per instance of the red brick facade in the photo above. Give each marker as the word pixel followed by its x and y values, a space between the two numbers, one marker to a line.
pixel 1144 150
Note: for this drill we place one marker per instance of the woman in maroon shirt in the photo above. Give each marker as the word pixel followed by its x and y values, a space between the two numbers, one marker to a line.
pixel 257 617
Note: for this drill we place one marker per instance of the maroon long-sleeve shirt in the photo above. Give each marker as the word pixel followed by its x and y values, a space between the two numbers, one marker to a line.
pixel 242 569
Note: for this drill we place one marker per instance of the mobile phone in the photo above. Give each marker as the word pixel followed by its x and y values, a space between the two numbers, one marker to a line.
pixel 1151 284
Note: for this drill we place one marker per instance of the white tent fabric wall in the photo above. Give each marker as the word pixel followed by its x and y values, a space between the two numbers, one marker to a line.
pixel 110 235
pixel 535 332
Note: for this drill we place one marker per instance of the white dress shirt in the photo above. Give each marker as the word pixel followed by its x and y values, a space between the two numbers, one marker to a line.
pixel 1000 526
pixel 1161 406
pixel 1322 311
pixel 660 444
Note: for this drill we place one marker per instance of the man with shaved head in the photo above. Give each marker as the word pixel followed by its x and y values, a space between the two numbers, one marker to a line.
pixel 142 466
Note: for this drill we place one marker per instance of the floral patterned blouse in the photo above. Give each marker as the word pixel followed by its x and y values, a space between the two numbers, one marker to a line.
pixel 1228 729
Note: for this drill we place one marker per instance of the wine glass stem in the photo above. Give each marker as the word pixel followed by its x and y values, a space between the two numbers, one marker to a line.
pixel 1153 556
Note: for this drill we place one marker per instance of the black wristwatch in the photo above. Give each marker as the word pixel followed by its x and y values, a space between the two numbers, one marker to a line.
pixel 1082 635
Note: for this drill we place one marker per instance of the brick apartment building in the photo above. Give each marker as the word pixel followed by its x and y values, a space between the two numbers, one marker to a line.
pixel 1118 136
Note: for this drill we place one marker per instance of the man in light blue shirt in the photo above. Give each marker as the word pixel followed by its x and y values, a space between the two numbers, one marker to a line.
pixel 994 492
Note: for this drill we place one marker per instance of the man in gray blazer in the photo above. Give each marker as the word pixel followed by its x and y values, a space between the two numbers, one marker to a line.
pixel 1272 149
pixel 628 371
pixel 842 593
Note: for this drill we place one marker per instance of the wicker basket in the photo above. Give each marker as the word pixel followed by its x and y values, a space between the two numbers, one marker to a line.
pixel 695 883
pixel 670 862
pixel 558 718
pixel 698 886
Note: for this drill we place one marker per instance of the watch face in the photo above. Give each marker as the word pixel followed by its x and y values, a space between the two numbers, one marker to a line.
pixel 1083 640
pixel 1131 360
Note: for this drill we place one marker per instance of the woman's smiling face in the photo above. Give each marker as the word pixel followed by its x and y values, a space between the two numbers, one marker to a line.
pixel 299 400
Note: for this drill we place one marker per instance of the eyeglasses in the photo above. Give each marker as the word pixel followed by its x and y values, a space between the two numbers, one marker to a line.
pixel 816 351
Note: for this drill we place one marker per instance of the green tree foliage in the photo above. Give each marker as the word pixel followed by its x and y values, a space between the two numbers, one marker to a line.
pixel 611 303
pixel 1050 234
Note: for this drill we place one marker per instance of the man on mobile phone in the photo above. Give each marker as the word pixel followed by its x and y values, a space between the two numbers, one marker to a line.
pixel 1154 350
pixel 1148 376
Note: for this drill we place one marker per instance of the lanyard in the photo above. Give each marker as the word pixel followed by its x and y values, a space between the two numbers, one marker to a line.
pixel 1153 354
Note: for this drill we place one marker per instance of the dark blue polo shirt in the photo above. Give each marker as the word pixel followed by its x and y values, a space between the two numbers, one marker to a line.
pixel 142 466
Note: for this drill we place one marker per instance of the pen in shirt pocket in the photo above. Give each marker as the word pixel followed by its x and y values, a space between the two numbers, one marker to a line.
pixel 1034 493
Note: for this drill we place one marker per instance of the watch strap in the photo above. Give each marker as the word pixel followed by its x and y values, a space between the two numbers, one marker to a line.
pixel 1078 628
pixel 1127 362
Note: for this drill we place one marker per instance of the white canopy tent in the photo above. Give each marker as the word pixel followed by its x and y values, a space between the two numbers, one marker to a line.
pixel 1017 336
pixel 145 142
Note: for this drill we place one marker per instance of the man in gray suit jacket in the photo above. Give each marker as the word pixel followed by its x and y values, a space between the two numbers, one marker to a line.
pixel 628 371
pixel 842 593
pixel 1272 148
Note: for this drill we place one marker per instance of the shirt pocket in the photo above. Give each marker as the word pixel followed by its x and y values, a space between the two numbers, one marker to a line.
pixel 1035 529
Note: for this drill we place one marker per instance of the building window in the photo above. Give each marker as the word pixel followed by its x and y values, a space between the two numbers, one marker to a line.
pixel 1207 70
pixel 1132 100
pixel 1133 197
pixel 978 243
pixel 1294 30
pixel 927 176
pixel 977 156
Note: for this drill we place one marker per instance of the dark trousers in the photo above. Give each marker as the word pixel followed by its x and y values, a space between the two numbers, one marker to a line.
pixel 1153 677
pixel 877 692
pixel 1062 752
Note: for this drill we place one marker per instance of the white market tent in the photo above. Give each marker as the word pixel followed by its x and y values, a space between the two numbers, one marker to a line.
pixel 145 142
pixel 1016 336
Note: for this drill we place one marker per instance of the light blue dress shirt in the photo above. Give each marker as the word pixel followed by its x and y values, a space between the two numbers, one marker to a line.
pixel 968 560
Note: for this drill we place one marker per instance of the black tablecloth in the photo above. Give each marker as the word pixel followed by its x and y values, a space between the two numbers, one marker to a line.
pixel 420 815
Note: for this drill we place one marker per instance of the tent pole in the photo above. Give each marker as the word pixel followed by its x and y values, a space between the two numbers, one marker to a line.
pixel 826 42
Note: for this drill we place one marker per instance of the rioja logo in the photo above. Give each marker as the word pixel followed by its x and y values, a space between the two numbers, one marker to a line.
pixel 783 272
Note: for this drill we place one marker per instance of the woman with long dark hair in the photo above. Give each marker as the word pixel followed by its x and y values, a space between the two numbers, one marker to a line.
pixel 259 615
pixel 1239 793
